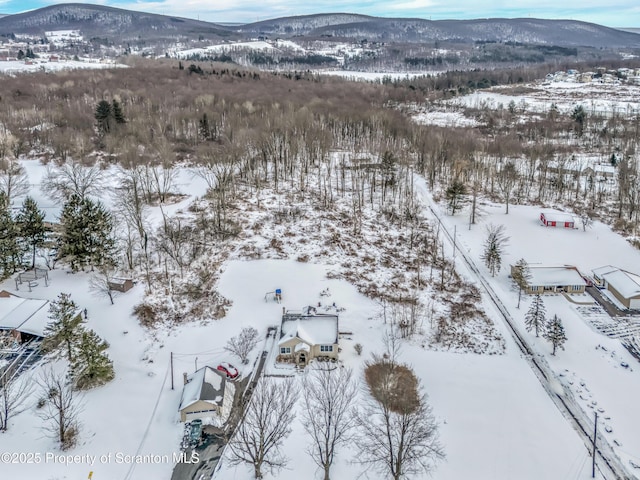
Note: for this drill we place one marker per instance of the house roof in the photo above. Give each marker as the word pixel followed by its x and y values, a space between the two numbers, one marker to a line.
pixel 625 283
pixel 558 217
pixel 601 271
pixel 25 315
pixel 311 329
pixel 553 276
pixel 205 384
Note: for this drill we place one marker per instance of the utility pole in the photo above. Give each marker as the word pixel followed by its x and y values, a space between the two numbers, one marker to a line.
pixel 171 370
pixel 455 228
pixel 595 433
pixel 196 364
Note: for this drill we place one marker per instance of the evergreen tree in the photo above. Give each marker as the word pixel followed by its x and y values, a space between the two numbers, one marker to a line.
pixel 91 366
pixel 204 128
pixel 20 54
pixel 493 248
pixel 64 329
pixel 535 317
pixel 87 237
pixel 454 195
pixel 30 221
pixel 10 249
pixel 521 276
pixel 555 334
pixel 118 115
pixel 103 116
pixel 579 116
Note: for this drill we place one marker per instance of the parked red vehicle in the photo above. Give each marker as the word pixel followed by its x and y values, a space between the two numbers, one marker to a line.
pixel 229 370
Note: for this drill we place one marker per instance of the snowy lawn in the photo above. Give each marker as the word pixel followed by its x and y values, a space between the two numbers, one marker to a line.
pixel 496 421
pixel 591 364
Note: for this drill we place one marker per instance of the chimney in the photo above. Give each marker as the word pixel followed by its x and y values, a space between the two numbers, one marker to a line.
pixel 186 380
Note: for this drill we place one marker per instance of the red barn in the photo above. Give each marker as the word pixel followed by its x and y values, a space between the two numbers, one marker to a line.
pixel 554 219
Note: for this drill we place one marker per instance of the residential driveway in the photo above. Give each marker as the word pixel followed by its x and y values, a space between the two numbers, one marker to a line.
pixel 609 307
pixel 215 439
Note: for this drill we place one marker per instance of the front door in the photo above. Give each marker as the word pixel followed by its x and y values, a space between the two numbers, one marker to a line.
pixel 302 359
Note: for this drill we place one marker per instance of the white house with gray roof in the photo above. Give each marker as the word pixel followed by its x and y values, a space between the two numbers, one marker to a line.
pixel 304 337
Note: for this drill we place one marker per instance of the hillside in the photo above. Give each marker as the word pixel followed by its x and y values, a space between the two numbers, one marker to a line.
pixel 553 32
pixel 119 25
pixel 108 22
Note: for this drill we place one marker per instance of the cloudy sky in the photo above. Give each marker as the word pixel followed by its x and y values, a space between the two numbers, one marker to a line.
pixel 613 13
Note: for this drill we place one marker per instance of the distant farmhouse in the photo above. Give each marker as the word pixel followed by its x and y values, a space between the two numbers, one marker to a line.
pixel 304 337
pixel 206 394
pixel 554 219
pixel 550 279
pixel 623 285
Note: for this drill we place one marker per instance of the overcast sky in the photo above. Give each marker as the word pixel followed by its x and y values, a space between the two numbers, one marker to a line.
pixel 613 13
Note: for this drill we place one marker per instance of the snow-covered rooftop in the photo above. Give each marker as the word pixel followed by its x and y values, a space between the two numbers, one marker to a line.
pixel 554 276
pixel 558 217
pixel 313 329
pixel 206 384
pixel 626 283
pixel 24 314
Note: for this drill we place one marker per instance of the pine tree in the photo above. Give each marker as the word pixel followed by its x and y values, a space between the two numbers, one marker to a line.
pixel 555 334
pixel 493 248
pixel 535 317
pixel 454 195
pixel 91 366
pixel 30 222
pixel 64 329
pixel 87 237
pixel 10 249
pixel 118 115
pixel 521 276
pixel 204 128
pixel 103 116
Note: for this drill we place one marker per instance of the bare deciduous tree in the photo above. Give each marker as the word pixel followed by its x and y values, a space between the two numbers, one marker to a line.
pixel 62 406
pixel 266 423
pixel 242 344
pixel 507 178
pixel 13 179
pixel 14 392
pixel 72 178
pixel 329 393
pixel 101 281
pixel 398 434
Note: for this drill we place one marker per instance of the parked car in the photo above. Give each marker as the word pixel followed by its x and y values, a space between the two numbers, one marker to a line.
pixel 228 369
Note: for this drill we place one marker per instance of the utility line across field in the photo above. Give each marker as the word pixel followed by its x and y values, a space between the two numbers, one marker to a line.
pixel 609 464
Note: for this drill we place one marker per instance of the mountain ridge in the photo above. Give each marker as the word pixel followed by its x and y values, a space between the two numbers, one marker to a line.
pixel 120 24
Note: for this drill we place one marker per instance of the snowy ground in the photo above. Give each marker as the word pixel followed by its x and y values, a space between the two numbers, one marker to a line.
pixel 496 422
pixel 592 364
pixel 374 76
pixel 15 66
pixel 594 97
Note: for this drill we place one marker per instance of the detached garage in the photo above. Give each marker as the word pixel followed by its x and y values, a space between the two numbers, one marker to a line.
pixel 623 285
pixel 554 219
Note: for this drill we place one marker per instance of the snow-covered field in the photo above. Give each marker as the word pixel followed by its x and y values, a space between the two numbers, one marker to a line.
pixel 15 66
pixel 496 422
pixel 373 76
pixel 592 366
pixel 594 97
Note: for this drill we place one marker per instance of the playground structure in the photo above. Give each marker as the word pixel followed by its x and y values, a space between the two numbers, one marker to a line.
pixel 276 296
pixel 30 277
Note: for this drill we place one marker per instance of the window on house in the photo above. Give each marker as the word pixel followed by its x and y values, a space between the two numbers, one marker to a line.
pixel 285 350
pixel 326 348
